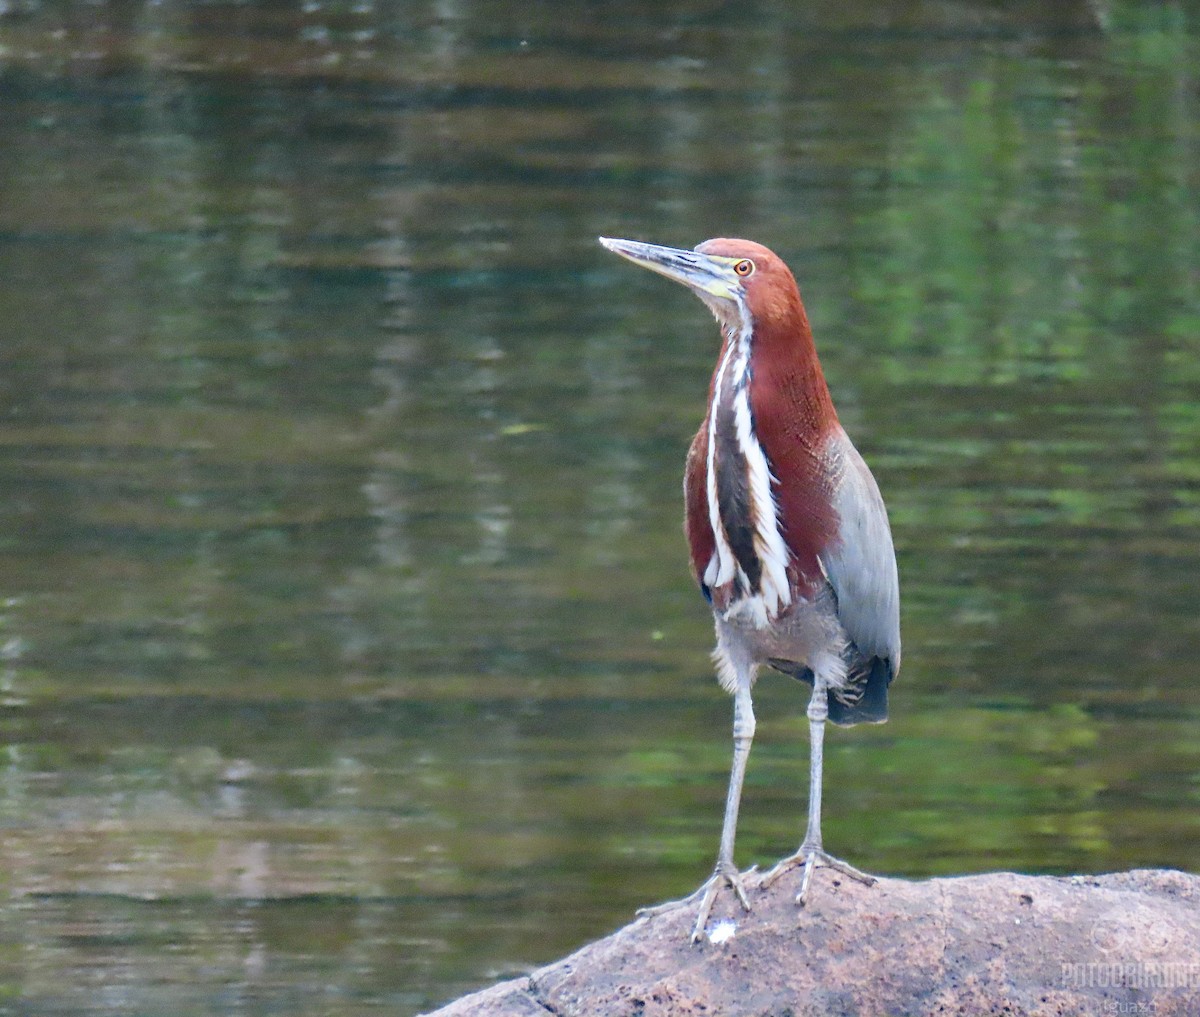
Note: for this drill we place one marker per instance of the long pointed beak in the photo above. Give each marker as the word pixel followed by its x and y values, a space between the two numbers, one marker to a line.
pixel 705 274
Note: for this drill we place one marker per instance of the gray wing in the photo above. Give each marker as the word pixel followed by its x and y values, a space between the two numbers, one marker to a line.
pixel 861 568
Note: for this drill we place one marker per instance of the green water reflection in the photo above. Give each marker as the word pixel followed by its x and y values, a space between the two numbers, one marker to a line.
pixel 348 655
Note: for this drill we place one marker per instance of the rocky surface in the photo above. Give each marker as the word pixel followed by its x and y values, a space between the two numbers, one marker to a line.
pixel 1126 943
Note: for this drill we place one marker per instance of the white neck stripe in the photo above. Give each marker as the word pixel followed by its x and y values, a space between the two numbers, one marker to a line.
pixel 762 606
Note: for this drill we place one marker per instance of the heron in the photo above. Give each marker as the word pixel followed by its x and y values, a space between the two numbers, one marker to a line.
pixel 788 534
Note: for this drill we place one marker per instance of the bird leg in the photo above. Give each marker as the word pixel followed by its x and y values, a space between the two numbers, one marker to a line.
pixel 812 852
pixel 726 872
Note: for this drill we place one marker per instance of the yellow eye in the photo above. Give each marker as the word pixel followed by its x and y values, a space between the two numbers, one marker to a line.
pixel 744 267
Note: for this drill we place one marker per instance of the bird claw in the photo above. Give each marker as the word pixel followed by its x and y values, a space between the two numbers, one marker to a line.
pixel 725 874
pixel 810 858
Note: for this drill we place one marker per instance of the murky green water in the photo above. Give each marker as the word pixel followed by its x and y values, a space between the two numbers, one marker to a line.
pixel 349 655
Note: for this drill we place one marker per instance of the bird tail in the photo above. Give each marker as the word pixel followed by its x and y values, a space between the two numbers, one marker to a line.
pixel 863 701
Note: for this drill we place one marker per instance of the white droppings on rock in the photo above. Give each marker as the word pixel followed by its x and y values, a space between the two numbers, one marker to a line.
pixel 722 931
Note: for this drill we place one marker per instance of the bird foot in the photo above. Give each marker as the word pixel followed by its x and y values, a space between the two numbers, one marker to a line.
pixel 810 858
pixel 725 874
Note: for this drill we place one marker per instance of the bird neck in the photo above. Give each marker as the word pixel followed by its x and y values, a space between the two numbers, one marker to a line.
pixel 766 475
pixel 788 388
pixel 795 422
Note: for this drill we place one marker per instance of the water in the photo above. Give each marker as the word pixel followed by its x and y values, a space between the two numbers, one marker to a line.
pixel 349 655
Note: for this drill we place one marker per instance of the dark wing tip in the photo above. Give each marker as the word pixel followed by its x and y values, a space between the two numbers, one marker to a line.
pixel 869 704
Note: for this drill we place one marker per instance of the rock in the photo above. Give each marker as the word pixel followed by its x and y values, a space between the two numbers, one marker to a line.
pixel 1125 943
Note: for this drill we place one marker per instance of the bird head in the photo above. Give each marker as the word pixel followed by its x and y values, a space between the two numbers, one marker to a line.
pixel 743 283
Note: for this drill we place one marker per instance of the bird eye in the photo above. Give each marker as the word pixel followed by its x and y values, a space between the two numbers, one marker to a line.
pixel 744 267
